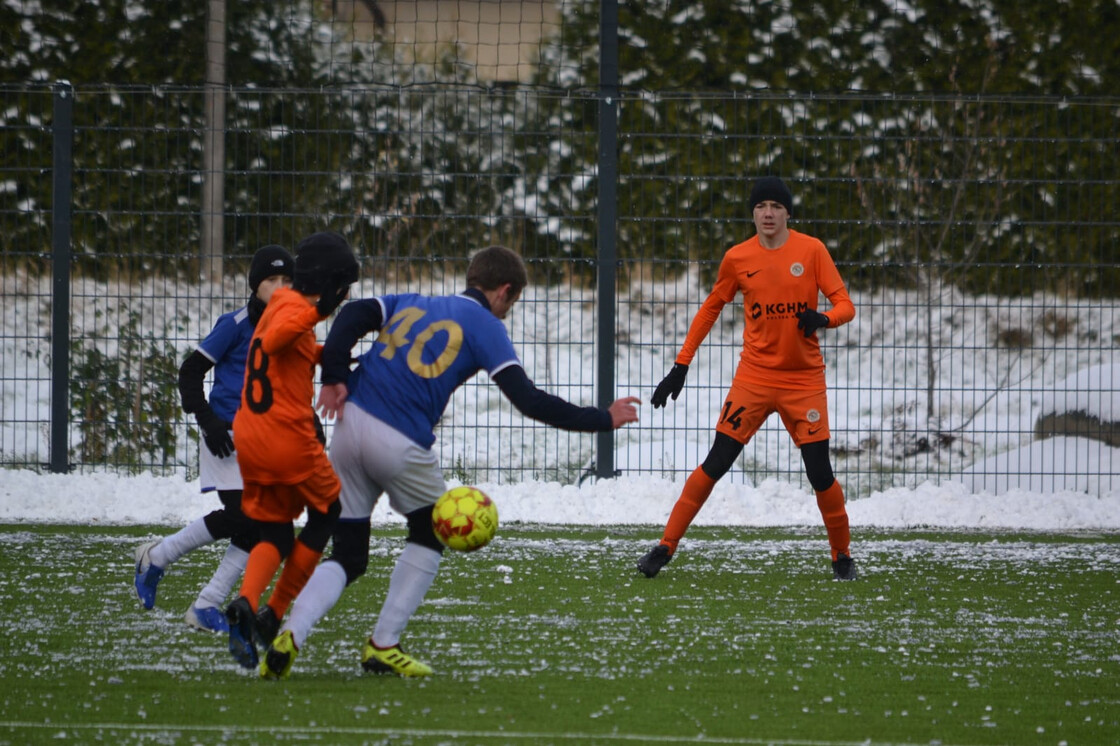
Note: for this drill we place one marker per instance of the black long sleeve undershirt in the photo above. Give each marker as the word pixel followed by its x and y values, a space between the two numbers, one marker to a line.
pixel 355 320
pixel 544 407
pixel 192 373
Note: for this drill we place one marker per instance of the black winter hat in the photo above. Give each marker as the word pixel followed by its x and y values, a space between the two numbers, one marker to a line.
pixel 268 261
pixel 322 258
pixel 774 189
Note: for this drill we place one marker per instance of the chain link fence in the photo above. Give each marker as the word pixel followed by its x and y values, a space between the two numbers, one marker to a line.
pixel 975 232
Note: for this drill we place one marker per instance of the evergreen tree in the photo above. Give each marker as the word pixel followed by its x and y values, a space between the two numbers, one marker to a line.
pixel 912 132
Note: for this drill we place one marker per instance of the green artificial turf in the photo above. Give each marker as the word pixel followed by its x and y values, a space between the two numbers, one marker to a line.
pixel 550 635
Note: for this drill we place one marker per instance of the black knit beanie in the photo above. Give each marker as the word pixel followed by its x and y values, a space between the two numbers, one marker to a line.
pixel 774 189
pixel 268 261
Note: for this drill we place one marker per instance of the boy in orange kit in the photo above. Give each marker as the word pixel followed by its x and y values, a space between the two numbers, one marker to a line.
pixel 780 273
pixel 283 464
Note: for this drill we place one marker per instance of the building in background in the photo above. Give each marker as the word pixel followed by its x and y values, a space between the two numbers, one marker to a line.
pixel 500 38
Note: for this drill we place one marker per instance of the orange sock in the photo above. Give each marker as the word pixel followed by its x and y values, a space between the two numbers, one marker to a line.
pixel 259 569
pixel 831 503
pixel 297 570
pixel 696 490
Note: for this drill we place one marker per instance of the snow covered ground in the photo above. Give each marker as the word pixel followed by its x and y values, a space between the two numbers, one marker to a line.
pixel 169 501
pixel 971 461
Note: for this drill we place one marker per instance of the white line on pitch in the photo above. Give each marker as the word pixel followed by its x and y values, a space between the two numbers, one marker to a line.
pixel 421 733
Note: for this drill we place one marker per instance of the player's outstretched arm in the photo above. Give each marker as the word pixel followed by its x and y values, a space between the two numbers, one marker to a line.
pixel 624 410
pixel 331 399
pixel 559 412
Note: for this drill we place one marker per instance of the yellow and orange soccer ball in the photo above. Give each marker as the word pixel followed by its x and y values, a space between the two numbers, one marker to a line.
pixel 465 519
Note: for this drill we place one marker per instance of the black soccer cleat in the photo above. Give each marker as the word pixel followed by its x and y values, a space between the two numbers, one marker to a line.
pixel 239 614
pixel 266 625
pixel 652 561
pixel 844 567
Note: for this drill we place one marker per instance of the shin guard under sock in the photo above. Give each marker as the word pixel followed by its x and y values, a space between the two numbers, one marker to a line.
pixel 297 569
pixel 696 490
pixel 259 571
pixel 831 504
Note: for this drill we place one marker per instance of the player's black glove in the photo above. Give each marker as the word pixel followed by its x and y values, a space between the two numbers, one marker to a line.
pixel 215 432
pixel 670 385
pixel 334 292
pixel 809 321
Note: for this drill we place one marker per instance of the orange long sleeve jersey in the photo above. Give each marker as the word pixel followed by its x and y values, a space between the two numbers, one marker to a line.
pixel 274 429
pixel 776 284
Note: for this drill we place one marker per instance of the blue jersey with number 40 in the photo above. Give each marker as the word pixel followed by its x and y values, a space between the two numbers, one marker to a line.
pixel 428 346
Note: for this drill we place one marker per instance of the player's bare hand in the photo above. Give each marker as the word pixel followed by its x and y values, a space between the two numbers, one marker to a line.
pixel 624 410
pixel 331 398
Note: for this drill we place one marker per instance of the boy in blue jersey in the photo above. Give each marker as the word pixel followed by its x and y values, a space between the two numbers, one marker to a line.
pixel 225 349
pixel 386 411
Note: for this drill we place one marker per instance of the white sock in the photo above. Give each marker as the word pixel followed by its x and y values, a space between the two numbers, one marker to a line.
pixel 317 598
pixel 415 570
pixel 187 539
pixel 229 570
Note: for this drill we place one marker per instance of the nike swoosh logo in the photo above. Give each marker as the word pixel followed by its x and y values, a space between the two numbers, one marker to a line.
pixel 752 274
pixel 814 430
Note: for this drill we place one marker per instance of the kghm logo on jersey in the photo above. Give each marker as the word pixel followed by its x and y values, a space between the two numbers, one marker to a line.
pixel 797 269
pixel 778 310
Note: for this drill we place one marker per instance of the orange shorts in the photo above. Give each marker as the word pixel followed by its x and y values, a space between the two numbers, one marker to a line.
pixel 275 503
pixel 804 413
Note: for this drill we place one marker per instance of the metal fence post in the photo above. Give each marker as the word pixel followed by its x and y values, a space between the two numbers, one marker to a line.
pixel 212 248
pixel 61 207
pixel 607 216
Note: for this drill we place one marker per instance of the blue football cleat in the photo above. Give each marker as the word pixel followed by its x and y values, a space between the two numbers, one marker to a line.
pixel 208 618
pixel 239 614
pixel 147 575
